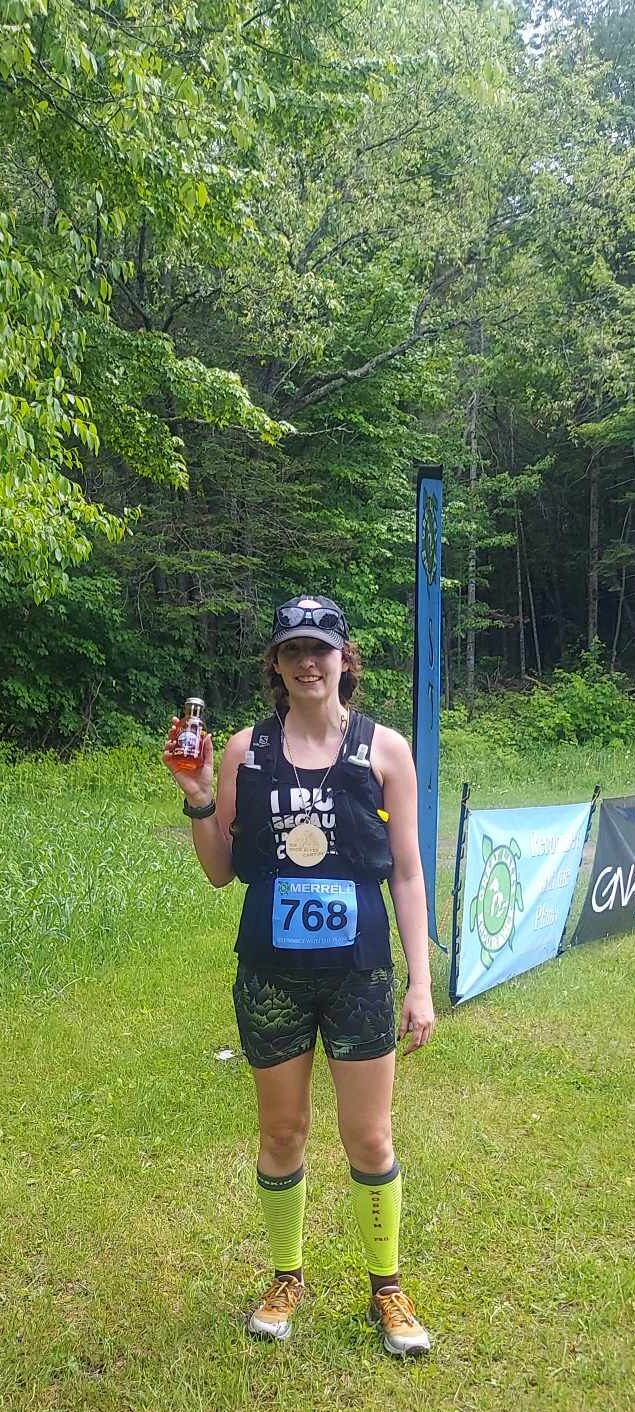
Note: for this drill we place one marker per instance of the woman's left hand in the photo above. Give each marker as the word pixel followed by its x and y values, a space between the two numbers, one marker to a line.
pixel 417 1017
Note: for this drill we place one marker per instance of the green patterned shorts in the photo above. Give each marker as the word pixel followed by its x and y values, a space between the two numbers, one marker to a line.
pixel 279 1015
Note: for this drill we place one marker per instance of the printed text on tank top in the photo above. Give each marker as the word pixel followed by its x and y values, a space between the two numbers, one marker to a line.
pixel 314 806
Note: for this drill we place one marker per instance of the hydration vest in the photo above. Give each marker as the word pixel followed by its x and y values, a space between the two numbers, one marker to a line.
pixel 361 837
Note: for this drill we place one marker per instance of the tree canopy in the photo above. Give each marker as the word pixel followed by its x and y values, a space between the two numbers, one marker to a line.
pixel 256 261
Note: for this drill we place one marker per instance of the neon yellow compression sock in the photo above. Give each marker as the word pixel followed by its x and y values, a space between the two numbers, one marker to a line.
pixel 283 1200
pixel 377 1207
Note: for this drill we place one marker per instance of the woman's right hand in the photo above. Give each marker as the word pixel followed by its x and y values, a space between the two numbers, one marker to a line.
pixel 196 784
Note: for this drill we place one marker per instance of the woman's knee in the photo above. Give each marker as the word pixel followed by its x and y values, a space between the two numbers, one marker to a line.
pixel 283 1135
pixel 370 1150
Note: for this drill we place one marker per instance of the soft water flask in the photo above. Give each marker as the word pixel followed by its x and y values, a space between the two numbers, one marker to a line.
pixel 188 747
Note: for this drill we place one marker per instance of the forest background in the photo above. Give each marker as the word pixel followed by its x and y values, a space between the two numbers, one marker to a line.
pixel 256 262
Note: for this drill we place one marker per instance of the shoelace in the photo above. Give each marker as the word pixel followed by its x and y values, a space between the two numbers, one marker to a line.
pixel 281 1296
pixel 397 1307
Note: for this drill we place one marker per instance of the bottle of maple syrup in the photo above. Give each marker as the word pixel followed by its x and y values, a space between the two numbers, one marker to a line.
pixel 187 751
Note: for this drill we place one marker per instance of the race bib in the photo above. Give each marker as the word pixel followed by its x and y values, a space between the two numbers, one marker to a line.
pixel 310 914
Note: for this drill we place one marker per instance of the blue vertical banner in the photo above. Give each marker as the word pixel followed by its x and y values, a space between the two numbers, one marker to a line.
pixel 520 874
pixel 427 673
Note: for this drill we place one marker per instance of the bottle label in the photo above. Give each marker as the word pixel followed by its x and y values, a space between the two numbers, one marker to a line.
pixel 189 741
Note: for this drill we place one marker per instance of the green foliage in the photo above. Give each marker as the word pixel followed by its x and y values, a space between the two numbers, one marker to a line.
pixel 482 749
pixel 45 528
pixel 583 707
pixel 510 731
pixel 97 680
pixel 125 372
pixel 256 263
pixel 108 121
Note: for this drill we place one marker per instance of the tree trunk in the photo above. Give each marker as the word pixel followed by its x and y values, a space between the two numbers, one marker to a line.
pixel 594 540
pixel 618 620
pixel 620 602
pixel 158 579
pixel 559 614
pixel 530 595
pixel 470 638
pixel 628 612
pixel 447 670
pixel 470 641
pixel 519 572
pixel 519 601
pixel 183 582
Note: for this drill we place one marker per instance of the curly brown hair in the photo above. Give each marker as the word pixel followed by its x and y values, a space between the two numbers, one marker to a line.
pixel 349 680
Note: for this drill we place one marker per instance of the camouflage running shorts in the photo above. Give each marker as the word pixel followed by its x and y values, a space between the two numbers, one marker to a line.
pixel 279 1015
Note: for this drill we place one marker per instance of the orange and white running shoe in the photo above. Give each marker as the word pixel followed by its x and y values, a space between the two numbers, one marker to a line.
pixel 394 1311
pixel 272 1317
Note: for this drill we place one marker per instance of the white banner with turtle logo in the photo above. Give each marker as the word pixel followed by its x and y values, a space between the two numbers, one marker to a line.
pixel 520 874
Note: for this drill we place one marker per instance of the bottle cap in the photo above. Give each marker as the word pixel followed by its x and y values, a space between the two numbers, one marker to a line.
pixel 193 709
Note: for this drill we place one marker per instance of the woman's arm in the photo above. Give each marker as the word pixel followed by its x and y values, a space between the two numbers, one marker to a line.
pixel 407 886
pixel 211 837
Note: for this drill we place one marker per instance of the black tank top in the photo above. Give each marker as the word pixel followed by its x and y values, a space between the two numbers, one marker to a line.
pixel 254 945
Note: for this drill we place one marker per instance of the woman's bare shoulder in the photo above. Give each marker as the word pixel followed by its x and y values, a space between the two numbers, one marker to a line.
pixel 390 752
pixel 237 745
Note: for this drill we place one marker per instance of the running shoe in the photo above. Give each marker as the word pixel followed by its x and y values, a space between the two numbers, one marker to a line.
pixel 394 1311
pixel 272 1317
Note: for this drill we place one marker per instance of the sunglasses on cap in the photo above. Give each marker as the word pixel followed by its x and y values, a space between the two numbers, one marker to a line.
pixel 292 616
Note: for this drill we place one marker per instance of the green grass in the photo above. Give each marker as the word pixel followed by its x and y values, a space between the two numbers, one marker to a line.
pixel 130 1237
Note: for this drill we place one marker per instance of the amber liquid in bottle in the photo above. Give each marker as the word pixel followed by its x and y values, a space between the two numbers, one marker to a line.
pixel 188 747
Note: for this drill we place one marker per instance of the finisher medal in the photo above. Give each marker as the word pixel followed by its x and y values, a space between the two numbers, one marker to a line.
pixel 306 845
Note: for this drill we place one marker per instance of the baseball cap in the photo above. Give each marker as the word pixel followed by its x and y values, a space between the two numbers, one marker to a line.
pixel 307 616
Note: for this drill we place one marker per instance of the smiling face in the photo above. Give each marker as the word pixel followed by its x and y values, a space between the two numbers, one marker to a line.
pixel 310 670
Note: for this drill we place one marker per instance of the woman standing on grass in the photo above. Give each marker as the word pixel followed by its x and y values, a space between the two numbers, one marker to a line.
pixel 316 805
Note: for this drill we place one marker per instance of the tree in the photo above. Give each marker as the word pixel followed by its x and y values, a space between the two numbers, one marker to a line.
pixel 354 196
pixel 115 121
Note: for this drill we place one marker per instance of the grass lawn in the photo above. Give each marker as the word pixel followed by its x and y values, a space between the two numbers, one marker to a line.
pixel 131 1240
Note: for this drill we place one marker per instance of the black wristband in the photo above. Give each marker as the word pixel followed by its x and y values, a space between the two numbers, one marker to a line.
pixel 205 812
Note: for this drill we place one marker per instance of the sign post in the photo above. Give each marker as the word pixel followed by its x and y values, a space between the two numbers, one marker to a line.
pixel 427 674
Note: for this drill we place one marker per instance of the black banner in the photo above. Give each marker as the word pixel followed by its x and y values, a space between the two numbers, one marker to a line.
pixel 609 906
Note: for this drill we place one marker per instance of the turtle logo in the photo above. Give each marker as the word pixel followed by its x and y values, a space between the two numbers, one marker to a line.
pixel 429 537
pixel 493 909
